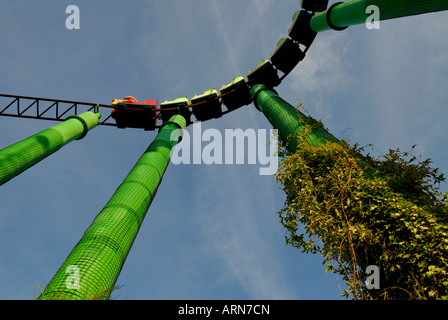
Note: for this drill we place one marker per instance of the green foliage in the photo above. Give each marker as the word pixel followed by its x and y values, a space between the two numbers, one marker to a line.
pixel 396 220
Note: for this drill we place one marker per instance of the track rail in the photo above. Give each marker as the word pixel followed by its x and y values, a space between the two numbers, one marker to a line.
pixel 59 110
pixel 286 57
pixel 47 109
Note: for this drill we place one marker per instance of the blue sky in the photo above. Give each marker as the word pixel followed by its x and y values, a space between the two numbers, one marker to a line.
pixel 212 231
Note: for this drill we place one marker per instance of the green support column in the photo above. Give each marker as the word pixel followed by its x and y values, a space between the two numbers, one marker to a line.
pixel 342 15
pixel 92 268
pixel 288 120
pixel 24 154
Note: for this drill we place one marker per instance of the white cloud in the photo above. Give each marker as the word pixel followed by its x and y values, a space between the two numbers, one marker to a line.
pixel 238 235
pixel 323 72
pixel 225 36
pixel 406 85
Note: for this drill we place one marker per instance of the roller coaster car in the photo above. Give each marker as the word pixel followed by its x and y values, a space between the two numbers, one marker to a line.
pixel 314 5
pixel 300 30
pixel 264 73
pixel 207 105
pixel 129 113
pixel 180 105
pixel 287 55
pixel 236 94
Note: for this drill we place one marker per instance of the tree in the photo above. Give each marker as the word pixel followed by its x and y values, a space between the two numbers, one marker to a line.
pixel 395 219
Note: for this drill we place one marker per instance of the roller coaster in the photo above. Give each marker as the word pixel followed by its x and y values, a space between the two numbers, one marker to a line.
pixel 101 252
pixel 208 105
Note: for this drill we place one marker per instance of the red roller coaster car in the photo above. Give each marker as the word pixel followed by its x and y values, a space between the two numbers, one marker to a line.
pixel 130 113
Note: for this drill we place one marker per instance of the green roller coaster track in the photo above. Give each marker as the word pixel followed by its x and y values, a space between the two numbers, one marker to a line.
pixel 342 15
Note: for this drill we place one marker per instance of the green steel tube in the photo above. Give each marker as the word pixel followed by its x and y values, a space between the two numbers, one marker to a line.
pixel 24 154
pixel 92 268
pixel 354 12
pixel 288 120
